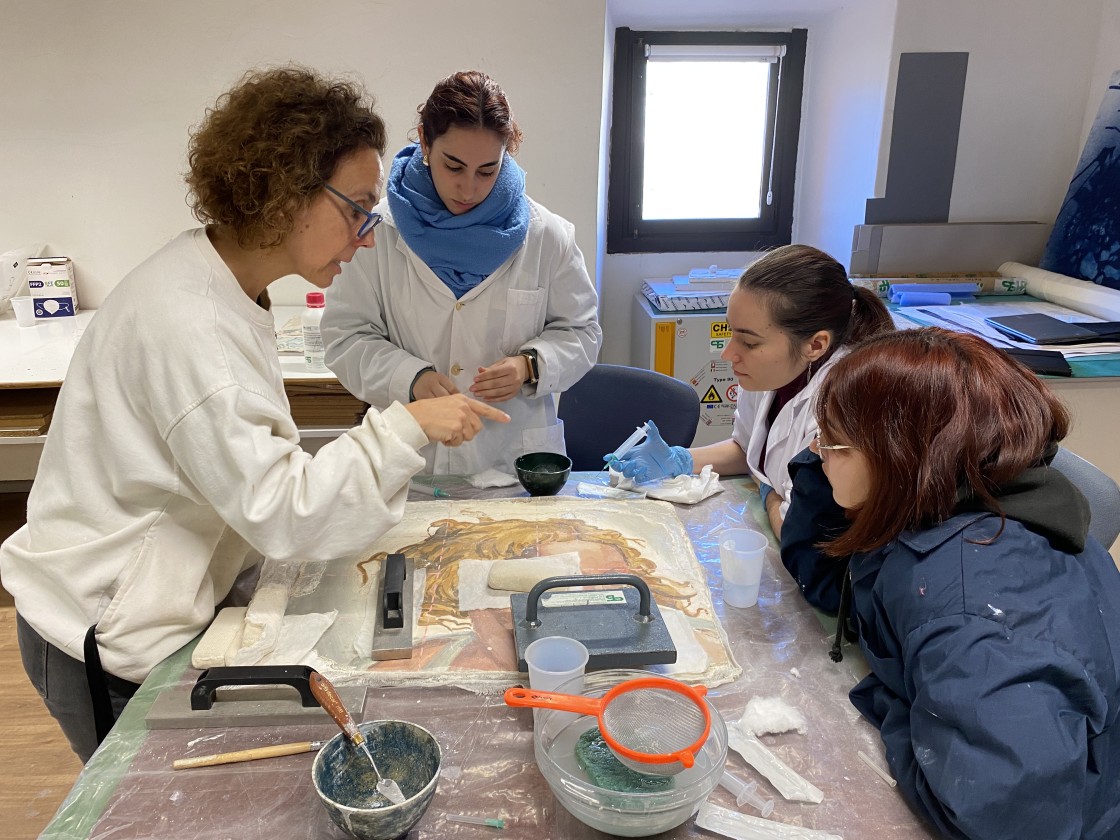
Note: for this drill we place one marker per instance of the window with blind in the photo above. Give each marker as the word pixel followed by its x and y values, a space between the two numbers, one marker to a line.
pixel 704 140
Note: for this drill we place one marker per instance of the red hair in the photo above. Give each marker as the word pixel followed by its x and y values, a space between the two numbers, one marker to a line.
pixel 939 416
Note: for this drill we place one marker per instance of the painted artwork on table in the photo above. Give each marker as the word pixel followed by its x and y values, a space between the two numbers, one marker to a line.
pixel 1085 241
pixel 464 630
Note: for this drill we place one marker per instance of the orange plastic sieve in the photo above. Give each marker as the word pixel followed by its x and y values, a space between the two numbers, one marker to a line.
pixel 652 724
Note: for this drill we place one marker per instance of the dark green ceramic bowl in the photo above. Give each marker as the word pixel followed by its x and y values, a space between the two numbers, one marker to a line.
pixel 345 782
pixel 543 473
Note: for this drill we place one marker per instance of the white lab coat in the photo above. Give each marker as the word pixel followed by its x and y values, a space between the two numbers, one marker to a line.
pixel 173 463
pixel 389 316
pixel 793 430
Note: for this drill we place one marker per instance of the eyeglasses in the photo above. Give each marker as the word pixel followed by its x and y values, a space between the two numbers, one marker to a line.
pixel 372 219
pixel 828 447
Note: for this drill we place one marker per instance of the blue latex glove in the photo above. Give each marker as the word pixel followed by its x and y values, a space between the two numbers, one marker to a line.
pixel 764 490
pixel 652 459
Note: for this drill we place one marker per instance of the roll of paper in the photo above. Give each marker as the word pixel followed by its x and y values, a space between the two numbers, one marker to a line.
pixel 1072 292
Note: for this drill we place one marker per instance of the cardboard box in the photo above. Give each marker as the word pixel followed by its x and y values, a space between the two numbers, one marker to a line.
pixel 51 282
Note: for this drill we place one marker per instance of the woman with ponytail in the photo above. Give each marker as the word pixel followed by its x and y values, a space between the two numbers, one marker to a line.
pixel 792 315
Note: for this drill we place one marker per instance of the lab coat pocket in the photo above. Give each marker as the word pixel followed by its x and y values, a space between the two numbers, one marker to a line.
pixel 544 439
pixel 523 314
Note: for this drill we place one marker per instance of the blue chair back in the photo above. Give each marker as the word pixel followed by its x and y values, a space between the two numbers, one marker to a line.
pixel 606 405
pixel 1099 489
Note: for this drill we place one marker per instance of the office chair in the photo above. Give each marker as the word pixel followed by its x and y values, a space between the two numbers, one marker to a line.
pixel 602 409
pixel 1099 489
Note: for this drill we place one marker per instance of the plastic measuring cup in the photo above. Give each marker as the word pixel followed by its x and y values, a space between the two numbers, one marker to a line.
pixel 740 558
pixel 746 793
pixel 552 661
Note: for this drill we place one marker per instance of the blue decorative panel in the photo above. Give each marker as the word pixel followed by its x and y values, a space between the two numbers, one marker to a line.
pixel 1085 241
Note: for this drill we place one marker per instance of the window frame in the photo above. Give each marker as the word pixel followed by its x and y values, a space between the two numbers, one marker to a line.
pixel 627 232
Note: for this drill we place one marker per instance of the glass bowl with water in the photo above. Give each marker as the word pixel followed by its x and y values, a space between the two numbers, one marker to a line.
pixel 622 813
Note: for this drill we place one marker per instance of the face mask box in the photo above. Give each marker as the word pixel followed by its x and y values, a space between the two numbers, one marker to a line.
pixel 51 283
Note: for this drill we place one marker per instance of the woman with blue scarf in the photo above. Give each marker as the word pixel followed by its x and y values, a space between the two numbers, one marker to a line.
pixel 474 288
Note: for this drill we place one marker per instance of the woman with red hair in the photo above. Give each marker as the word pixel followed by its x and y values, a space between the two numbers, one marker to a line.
pixel 988 616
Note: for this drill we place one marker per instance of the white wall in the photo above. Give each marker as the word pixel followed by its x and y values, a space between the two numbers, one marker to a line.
pixel 1107 62
pixel 847 68
pixel 1025 97
pixel 97 99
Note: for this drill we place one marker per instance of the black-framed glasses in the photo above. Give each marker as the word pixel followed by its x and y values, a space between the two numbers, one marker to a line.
pixel 372 219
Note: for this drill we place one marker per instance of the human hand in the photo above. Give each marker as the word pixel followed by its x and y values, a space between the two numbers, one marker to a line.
pixel 432 383
pixel 453 419
pixel 652 459
pixel 502 380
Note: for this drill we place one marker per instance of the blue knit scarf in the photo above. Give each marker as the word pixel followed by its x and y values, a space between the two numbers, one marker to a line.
pixel 462 250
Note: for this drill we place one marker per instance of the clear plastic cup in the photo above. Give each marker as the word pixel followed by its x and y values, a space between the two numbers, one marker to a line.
pixel 554 660
pixel 741 551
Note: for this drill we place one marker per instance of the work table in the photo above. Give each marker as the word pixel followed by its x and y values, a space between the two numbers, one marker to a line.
pixel 128 790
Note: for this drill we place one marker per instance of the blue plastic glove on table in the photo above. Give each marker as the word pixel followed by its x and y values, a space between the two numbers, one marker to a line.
pixel 652 459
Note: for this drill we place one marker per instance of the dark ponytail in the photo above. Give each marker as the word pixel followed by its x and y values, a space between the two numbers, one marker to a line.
pixel 808 291
pixel 869 317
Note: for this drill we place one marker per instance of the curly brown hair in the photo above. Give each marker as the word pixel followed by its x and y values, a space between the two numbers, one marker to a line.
pixel 269 144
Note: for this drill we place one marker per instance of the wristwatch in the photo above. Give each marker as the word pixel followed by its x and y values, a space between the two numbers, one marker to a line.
pixel 534 374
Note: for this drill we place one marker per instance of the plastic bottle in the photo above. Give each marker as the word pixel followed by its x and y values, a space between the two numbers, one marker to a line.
pixel 313 350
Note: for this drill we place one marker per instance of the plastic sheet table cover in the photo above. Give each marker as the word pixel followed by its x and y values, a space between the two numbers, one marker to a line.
pixel 128 790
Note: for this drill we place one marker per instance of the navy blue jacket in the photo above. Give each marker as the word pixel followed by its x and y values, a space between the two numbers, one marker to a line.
pixel 813 517
pixel 996 676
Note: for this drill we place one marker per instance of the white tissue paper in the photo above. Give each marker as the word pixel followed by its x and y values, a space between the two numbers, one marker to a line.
pixel 491 478
pixel 684 489
pixel 772 716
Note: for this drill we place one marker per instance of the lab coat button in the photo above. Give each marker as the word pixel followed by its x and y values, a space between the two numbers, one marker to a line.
pixel 456 370
pixel 458 304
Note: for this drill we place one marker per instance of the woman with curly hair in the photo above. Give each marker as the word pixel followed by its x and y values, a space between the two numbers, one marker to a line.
pixel 173 462
pixel 479 289
pixel 988 615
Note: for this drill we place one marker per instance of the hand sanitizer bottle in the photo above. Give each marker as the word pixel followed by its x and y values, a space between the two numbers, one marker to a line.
pixel 313 350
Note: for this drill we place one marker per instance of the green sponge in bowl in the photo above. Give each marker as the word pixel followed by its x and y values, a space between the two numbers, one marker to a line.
pixel 606 771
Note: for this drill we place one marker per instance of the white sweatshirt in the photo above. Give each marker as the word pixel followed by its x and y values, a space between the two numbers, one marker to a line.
pixel 172 456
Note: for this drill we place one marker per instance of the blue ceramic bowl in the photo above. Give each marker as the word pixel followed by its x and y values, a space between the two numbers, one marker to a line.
pixel 345 781
pixel 543 473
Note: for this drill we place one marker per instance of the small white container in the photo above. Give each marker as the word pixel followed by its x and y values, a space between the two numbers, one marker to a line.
pixel 553 661
pixel 24 307
pixel 313 350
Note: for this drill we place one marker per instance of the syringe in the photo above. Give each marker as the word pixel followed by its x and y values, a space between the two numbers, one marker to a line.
pixel 629 443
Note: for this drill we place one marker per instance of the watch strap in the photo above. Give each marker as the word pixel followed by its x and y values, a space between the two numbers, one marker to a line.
pixel 531 360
